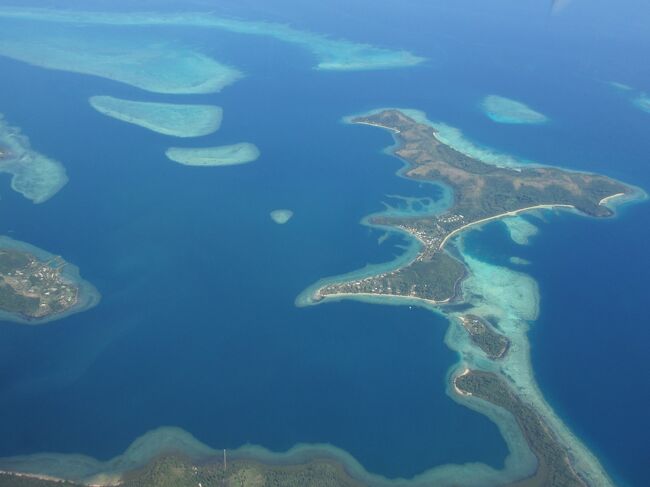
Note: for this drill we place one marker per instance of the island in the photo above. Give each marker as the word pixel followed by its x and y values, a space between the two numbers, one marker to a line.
pixel 178 470
pixel 38 287
pixel 482 193
pixel 554 464
pixel 484 336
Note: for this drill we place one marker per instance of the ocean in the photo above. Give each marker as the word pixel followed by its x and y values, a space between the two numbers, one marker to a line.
pixel 197 327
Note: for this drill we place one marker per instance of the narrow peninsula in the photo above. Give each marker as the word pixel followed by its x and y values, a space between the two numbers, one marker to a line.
pixel 281 216
pixel 38 287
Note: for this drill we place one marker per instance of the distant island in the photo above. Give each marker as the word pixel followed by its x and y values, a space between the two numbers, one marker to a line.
pixel 37 287
pixel 482 192
pixel 178 470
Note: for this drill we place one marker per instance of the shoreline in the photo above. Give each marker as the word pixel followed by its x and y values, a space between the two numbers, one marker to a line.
pixel 162 442
pixel 607 199
pixel 371 296
pixel 502 215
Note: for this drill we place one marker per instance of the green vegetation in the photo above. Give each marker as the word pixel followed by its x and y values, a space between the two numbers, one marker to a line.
pixel 178 471
pixel 10 480
pixel 31 288
pixel 175 470
pixel 485 337
pixel 554 467
pixel 484 190
pixel 434 278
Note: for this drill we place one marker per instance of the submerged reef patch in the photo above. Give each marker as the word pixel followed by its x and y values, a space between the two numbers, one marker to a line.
pixel 165 118
pixel 519 261
pixel 520 229
pixel 643 102
pixel 281 216
pixel 415 206
pixel 332 54
pixel 224 155
pixel 34 175
pixel 504 110
pixel 639 99
pixel 137 60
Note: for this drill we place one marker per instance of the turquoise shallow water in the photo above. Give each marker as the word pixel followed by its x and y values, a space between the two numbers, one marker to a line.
pixel 197 326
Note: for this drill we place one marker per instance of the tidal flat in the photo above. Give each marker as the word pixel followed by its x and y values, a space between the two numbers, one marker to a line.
pixel 642 101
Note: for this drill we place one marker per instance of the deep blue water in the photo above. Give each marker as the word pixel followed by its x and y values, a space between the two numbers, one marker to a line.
pixel 197 326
